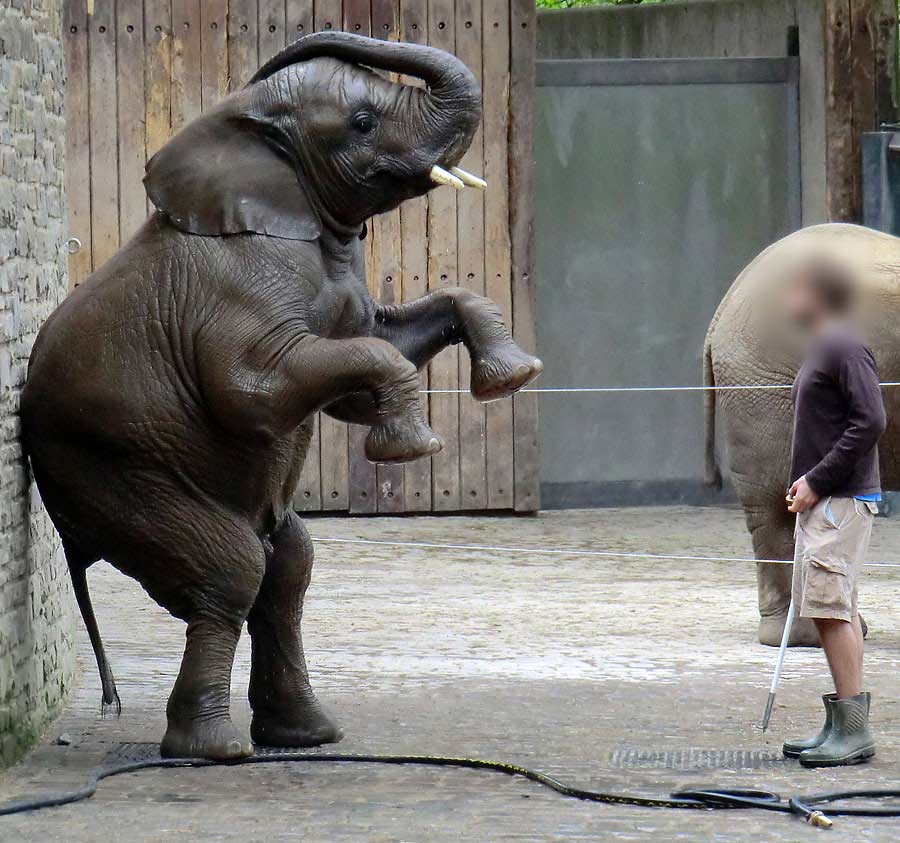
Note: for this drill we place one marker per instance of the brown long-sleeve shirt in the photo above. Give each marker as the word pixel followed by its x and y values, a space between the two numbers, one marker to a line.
pixel 838 417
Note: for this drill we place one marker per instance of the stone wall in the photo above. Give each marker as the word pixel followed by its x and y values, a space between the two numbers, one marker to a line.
pixel 36 608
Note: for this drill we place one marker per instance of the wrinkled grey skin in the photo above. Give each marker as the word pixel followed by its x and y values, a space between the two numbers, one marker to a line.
pixel 169 399
pixel 747 344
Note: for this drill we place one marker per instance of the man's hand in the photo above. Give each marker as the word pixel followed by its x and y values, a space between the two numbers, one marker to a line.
pixel 800 497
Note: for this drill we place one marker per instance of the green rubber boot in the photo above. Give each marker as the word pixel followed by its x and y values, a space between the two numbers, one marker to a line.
pixel 850 740
pixel 793 748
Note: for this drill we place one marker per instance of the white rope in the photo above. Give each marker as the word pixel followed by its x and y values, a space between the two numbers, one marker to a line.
pixel 554 551
pixel 612 389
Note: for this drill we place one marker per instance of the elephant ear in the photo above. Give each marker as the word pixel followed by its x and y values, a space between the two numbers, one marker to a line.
pixel 223 174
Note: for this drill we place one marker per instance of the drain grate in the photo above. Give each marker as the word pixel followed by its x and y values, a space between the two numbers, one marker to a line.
pixel 126 753
pixel 694 759
pixel 129 752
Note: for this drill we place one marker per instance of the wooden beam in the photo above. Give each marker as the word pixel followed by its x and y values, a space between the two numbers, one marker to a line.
pixel 521 191
pixel 308 497
pixel 363 474
pixel 443 272
pixel 470 236
pixel 213 51
pixel 497 257
pixel 414 247
pixel 104 132
pixel 78 141
pixel 387 268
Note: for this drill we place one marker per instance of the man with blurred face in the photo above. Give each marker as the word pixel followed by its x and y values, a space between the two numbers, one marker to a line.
pixel 835 488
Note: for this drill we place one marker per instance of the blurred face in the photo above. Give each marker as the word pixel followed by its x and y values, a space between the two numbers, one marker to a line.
pixel 803 306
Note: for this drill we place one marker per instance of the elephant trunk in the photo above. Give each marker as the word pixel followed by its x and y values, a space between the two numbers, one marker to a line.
pixel 454 96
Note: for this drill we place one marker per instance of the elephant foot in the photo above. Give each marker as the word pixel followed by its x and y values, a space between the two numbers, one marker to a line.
pixel 216 739
pixel 306 726
pixel 803 632
pixel 401 440
pixel 501 373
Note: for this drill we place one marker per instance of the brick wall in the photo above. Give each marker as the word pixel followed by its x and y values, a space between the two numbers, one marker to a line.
pixel 36 607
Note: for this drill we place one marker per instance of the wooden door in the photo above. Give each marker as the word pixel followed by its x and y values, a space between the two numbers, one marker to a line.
pixel 139 70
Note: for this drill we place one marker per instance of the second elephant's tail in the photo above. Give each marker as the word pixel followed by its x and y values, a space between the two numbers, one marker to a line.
pixel 712 474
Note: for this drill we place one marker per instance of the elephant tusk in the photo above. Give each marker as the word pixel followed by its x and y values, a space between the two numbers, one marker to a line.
pixel 468 179
pixel 440 176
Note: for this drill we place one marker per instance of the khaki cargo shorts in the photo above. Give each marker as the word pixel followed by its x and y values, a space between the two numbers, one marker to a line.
pixel 831 542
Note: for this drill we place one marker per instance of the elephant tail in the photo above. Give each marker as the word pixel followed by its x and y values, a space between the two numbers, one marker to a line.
pixel 78 572
pixel 712 474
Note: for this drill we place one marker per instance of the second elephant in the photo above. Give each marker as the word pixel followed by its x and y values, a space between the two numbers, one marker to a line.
pixel 743 346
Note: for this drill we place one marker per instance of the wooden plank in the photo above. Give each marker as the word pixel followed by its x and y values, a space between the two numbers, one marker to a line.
pixel 470 237
pixel 357 17
pixel 157 73
pixel 414 249
pixel 131 132
pixel 521 192
pixel 243 44
pixel 886 56
pixel 78 140
pixel 442 272
pixel 103 129
pixel 333 438
pixel 213 52
pixel 272 24
pixel 308 497
pixel 186 58
pixel 865 105
pixel 328 15
pixel 363 474
pixel 299 15
pixel 387 267
pixel 497 259
pixel 839 110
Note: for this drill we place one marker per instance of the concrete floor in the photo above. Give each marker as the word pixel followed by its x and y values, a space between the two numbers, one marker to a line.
pixel 556 662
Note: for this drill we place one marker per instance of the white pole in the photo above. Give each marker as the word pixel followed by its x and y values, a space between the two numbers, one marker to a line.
pixel 776 678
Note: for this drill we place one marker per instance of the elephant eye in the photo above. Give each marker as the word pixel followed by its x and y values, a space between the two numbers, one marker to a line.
pixel 363 123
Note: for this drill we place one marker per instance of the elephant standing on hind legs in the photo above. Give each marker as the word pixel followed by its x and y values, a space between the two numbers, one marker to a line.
pixel 169 398
pixel 746 344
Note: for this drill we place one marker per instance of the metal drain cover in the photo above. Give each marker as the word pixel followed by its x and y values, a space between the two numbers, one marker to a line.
pixel 129 752
pixel 694 759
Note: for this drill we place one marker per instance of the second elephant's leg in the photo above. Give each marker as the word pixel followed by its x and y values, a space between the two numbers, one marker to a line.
pixel 773 538
pixel 285 710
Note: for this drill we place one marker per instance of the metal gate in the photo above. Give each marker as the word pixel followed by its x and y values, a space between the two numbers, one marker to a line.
pixel 138 70
pixel 657 182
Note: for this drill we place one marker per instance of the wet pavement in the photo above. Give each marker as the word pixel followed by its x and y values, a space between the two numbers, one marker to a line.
pixel 611 673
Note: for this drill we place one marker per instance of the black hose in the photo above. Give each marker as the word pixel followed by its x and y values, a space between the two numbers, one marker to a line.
pixel 706 799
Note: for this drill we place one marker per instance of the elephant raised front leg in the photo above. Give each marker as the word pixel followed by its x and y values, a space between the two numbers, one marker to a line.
pixel 374 372
pixel 285 710
pixel 421 328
